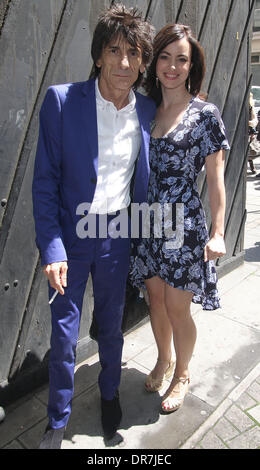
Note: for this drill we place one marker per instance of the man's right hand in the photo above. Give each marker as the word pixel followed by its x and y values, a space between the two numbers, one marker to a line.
pixel 57 275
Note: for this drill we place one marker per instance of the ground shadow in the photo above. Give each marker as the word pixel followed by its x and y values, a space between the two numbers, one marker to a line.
pixel 253 254
pixel 138 407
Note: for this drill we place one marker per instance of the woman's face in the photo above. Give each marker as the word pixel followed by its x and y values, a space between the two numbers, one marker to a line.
pixel 173 64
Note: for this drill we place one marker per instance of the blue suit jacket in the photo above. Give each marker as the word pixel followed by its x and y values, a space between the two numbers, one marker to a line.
pixel 65 172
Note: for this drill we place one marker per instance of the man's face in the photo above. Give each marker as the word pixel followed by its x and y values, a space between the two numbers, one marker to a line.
pixel 120 64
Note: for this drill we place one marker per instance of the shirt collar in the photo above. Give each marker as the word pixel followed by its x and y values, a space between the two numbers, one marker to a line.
pixel 103 102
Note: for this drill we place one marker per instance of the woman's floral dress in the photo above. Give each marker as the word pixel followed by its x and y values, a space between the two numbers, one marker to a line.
pixel 175 161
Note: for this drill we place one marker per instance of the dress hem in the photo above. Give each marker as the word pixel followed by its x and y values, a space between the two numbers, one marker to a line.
pixel 196 299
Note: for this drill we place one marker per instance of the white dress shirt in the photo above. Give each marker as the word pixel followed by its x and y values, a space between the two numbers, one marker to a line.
pixel 119 140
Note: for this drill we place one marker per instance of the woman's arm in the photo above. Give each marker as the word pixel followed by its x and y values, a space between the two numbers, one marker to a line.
pixel 215 165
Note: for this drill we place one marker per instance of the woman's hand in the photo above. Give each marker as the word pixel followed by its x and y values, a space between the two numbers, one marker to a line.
pixel 214 248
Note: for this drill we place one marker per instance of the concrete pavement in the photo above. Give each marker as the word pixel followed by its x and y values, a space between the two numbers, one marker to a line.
pixel 222 408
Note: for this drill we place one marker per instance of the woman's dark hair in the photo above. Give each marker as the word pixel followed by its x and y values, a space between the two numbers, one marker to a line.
pixel 128 23
pixel 167 35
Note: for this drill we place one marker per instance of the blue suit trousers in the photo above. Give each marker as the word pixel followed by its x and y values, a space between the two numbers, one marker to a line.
pixel 107 259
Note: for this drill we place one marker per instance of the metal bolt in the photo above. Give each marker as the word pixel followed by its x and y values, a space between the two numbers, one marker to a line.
pixel 3 202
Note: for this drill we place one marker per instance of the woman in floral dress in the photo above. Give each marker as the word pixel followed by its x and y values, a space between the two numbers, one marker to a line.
pixel 187 134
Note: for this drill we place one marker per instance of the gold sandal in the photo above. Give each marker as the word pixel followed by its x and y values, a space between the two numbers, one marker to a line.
pixel 173 403
pixel 154 385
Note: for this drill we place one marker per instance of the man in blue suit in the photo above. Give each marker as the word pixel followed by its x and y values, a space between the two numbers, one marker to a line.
pixel 93 146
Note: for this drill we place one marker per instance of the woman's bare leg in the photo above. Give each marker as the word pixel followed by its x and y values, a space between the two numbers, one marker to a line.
pixel 160 323
pixel 184 330
pixel 184 335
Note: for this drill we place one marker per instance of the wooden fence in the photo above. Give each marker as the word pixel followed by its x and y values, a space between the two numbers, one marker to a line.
pixel 44 42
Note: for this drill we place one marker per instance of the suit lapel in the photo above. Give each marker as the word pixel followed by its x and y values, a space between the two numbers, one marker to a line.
pixel 89 113
pixel 143 168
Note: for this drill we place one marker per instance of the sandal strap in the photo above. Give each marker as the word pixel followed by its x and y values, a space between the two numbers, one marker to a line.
pixel 182 379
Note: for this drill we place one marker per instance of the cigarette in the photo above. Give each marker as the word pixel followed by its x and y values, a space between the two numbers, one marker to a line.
pixel 53 297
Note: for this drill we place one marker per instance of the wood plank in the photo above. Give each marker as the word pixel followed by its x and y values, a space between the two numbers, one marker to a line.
pixel 237 90
pixel 202 7
pixel 25 44
pixel 234 222
pixel 187 15
pixel 20 263
pixel 162 12
pixel 211 34
pixel 227 53
pixel 235 169
pixel 3 11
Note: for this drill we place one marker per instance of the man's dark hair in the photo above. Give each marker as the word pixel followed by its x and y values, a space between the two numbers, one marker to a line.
pixel 118 21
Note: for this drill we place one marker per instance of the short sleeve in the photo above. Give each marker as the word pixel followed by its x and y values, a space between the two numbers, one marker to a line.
pixel 215 135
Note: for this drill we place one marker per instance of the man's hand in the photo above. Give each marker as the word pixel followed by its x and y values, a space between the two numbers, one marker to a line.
pixel 57 275
pixel 214 248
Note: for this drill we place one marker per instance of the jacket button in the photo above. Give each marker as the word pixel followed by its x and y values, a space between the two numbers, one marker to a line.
pixel 93 180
